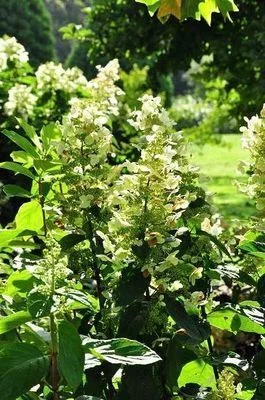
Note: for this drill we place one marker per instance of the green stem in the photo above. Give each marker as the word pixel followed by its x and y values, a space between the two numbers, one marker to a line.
pixel 55 376
pixel 210 345
pixel 96 266
pixel 41 198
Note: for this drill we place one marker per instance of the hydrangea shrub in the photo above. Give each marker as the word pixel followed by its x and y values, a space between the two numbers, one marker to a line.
pixel 118 261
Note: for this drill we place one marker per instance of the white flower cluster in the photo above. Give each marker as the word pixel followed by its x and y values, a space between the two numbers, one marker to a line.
pixel 84 125
pixel 254 140
pixel 151 116
pixel 11 50
pixel 52 76
pixel 86 138
pixel 150 199
pixel 212 226
pixel 52 268
pixel 103 88
pixel 87 119
pixel 21 101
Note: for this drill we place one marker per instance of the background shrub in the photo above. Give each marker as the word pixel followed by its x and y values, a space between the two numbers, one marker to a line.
pixel 30 22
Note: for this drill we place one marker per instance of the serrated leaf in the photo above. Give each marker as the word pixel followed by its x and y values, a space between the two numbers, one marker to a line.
pixel 190 8
pixel 196 9
pixel 170 7
pixel 206 9
pixel 22 366
pixel 177 356
pixel 226 6
pixel 152 5
pixel 71 354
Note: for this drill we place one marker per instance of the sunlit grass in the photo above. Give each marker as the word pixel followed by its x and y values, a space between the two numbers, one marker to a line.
pixel 219 165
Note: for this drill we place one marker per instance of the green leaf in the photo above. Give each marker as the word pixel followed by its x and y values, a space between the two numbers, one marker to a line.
pixel 119 351
pixel 47 166
pixel 84 299
pixel 30 132
pixel 152 5
pixel 22 157
pixel 197 330
pixel 49 133
pixel 261 290
pixel 131 286
pixel 248 388
pixel 22 366
pixel 231 358
pixel 223 319
pixel 206 8
pixel 232 321
pixel 197 371
pixel 22 142
pixel 247 325
pixel 71 240
pixel 13 321
pixel 190 8
pixel 183 9
pixel 217 242
pixel 254 243
pixel 39 304
pixel 29 216
pixel 71 354
pixel 256 315
pixel 142 382
pixel 19 283
pixel 17 168
pixel 226 6
pixel 14 190
pixel 176 358
pixel 7 235
pixel 259 393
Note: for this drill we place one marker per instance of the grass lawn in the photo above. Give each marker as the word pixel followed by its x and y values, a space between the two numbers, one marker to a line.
pixel 218 163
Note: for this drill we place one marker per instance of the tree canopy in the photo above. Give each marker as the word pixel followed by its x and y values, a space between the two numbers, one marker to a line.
pixel 30 22
pixel 170 47
pixel 196 9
